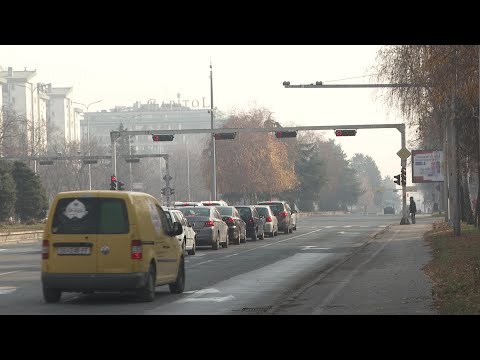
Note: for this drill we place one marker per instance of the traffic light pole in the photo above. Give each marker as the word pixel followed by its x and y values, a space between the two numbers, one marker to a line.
pixel 167 180
pixel 404 220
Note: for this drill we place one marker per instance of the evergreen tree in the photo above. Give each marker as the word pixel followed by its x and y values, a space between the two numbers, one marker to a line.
pixel 31 202
pixel 7 191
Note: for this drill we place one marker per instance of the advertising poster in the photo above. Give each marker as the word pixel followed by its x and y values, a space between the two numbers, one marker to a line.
pixel 427 166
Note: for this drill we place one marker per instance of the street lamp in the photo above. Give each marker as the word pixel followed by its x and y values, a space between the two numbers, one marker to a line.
pixel 33 122
pixel 130 118
pixel 88 140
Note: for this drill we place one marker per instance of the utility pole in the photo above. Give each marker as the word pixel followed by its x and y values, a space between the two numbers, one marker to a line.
pixel 214 160
pixel 88 141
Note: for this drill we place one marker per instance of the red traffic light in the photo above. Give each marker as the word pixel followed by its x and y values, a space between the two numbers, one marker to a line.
pixel 285 134
pixel 159 137
pixel 345 132
pixel 113 178
pixel 224 136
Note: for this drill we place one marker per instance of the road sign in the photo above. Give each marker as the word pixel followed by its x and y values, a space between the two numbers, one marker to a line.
pixel 165 177
pixel 403 153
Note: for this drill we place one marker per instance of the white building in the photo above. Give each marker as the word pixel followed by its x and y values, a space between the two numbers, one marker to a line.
pixel 21 94
pixel 64 118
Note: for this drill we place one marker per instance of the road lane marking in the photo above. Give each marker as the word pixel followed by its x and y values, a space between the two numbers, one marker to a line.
pixel 313 247
pixel 4 290
pixel 3 249
pixel 204 262
pixel 10 272
pixel 347 226
pixel 270 244
pixel 210 299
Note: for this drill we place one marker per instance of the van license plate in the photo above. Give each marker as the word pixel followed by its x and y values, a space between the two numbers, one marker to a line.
pixel 70 250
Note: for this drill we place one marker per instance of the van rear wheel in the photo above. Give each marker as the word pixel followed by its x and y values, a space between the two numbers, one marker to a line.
pixel 179 285
pixel 147 294
pixel 51 295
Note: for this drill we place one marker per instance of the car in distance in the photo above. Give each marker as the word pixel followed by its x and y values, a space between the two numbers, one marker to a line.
pixel 254 222
pixel 208 225
pixel 187 237
pixel 237 228
pixel 282 211
pixel 271 222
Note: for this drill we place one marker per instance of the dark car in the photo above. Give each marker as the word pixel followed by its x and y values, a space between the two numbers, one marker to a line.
pixel 389 210
pixel 254 222
pixel 237 228
pixel 283 212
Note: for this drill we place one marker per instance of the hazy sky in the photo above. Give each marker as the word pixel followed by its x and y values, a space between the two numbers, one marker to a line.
pixel 244 76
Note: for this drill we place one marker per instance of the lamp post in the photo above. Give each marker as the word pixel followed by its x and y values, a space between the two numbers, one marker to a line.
pixel 88 141
pixel 33 122
pixel 130 118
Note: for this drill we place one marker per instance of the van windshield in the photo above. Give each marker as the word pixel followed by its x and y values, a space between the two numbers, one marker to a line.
pixel 90 216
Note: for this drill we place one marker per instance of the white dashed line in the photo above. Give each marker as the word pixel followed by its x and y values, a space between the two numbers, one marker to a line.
pixel 10 272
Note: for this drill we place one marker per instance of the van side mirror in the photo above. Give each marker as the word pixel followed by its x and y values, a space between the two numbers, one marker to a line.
pixel 177 229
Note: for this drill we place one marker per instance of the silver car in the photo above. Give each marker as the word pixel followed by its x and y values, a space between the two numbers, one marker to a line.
pixel 271 223
pixel 208 225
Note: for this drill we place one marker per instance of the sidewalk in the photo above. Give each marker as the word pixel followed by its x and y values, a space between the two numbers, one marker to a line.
pixel 384 277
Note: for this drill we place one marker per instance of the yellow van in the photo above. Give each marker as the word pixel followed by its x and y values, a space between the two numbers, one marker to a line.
pixel 110 241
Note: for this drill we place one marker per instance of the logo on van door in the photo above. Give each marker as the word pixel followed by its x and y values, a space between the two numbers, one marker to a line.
pixel 105 250
pixel 75 209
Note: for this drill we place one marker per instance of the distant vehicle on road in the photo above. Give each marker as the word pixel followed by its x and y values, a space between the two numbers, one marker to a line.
pixel 208 224
pixel 282 211
pixel 389 210
pixel 254 222
pixel 271 222
pixel 214 203
pixel 178 204
pixel 237 228
pixel 187 237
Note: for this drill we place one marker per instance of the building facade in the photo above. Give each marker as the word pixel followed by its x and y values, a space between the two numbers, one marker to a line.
pixel 151 116
pixel 27 99
pixel 63 117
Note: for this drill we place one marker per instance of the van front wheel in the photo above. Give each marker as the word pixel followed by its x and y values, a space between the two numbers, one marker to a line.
pixel 51 295
pixel 179 285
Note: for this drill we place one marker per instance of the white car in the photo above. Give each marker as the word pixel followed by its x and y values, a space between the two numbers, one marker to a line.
pixel 271 223
pixel 187 237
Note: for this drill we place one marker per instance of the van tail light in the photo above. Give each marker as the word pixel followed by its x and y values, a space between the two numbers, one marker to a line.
pixel 250 221
pixel 45 249
pixel 136 249
pixel 209 223
pixel 269 219
pixel 229 220
pixel 283 214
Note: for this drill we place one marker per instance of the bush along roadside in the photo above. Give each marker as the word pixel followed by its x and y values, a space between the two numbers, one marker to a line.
pixel 454 269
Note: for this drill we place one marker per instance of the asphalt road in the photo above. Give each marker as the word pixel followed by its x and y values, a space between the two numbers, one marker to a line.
pixel 270 276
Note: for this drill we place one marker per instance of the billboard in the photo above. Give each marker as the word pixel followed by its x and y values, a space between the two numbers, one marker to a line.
pixel 427 166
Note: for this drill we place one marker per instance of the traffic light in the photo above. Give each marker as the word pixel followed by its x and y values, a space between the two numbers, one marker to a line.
pixel 172 191
pixel 224 136
pixel 345 132
pixel 163 191
pixel 121 185
pixel 404 176
pixel 285 134
pixel 113 182
pixel 158 137
pixel 398 179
